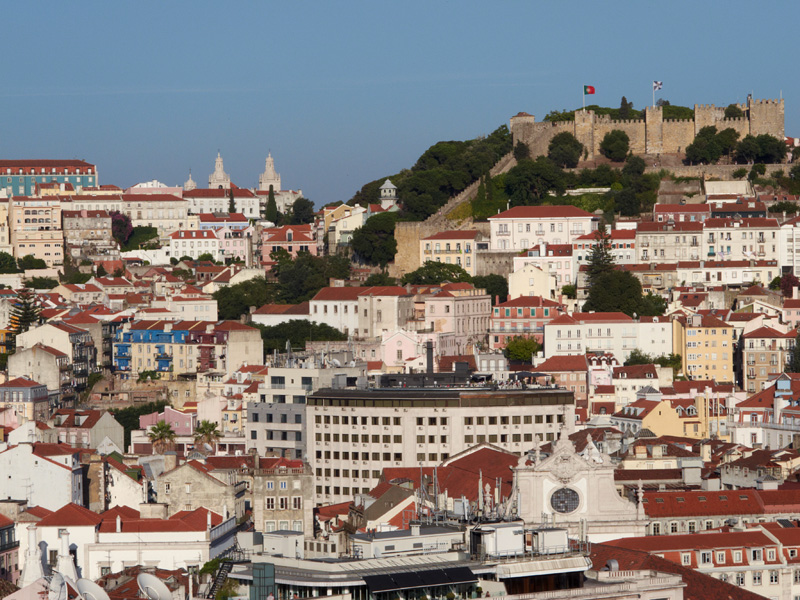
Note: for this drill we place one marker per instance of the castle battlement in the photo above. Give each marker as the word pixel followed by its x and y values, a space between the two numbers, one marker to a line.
pixel 652 134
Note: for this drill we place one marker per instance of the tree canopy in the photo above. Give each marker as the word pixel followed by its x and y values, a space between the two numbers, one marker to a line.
pixel 30 262
pixel 793 365
pixel 495 285
pixel 434 273
pixel 7 263
pixel 565 150
pixel 162 436
pixel 374 242
pixel 762 148
pixel 297 332
pixel 529 182
pixel 302 212
pixel 300 279
pixel 615 145
pixel 620 291
pixel 121 227
pixel 522 348
pixel 235 300
pixel 601 261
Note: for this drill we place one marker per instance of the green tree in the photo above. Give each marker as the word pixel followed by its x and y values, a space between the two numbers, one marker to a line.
pixel 771 150
pixel 7 263
pixel 570 291
pixel 758 170
pixel 625 108
pixel 565 150
pixel 748 150
pixel 297 333
pixel 235 300
pixel 162 436
pixel 231 201
pixel 522 349
pixel 129 417
pixel 495 285
pixel 794 358
pixel 380 279
pixel 626 203
pixel 615 145
pixel 621 291
pixel 727 140
pixel 522 151
pixel 434 273
pixel 101 271
pixel 634 166
pixel 732 111
pixel 271 213
pixel 740 173
pixel 601 261
pixel 529 182
pixel 300 279
pixel 206 257
pixel 206 432
pixel 25 313
pixel 30 262
pixel 41 283
pixel 302 211
pixel 775 284
pixel 705 149
pixel 374 242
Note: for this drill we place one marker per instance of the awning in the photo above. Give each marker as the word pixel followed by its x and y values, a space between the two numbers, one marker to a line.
pixel 410 580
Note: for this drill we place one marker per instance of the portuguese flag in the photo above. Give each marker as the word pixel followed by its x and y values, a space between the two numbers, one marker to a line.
pixel 588 89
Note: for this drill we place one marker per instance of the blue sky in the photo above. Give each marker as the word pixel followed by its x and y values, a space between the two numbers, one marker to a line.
pixel 346 92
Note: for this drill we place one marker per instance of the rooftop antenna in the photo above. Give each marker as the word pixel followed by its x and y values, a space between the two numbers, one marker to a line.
pixel 90 590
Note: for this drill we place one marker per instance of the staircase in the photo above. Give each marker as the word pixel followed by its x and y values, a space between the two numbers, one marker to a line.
pixel 219 578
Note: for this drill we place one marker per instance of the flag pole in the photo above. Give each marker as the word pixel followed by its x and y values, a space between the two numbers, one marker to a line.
pixel 654 95
pixel 584 97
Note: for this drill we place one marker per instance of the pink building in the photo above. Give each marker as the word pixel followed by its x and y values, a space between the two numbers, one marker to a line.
pixel 460 309
pixel 183 423
pixel 292 238
pixel 235 243
pixel 524 316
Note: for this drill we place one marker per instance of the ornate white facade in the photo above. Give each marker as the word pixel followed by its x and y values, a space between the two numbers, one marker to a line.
pixel 219 178
pixel 269 177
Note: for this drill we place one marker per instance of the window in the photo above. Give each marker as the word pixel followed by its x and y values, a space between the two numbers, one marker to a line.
pixel 740 579
pixel 686 559
pixel 756 577
pixel 773 577
pixel 705 557
pixel 721 558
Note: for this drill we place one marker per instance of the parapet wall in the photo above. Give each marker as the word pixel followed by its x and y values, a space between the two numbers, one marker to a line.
pixel 653 134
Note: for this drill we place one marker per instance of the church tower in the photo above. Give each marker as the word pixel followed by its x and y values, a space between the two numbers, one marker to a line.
pixel 219 178
pixel 190 184
pixel 269 177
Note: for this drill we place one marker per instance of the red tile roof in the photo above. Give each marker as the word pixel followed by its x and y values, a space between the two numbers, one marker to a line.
pixel 463 234
pixel 560 364
pixel 20 382
pixel 542 212
pixel 71 515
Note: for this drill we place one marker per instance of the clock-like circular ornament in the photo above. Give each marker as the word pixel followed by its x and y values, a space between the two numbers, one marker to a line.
pixel 565 500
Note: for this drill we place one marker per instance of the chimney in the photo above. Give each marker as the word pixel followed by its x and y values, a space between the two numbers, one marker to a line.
pixel 415 529
pixel 119 524
pixel 208 519
pixel 66 565
pixel 32 570
pixel 429 353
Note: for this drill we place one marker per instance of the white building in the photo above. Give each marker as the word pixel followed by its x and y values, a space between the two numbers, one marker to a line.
pixel 194 243
pixel 741 239
pixel 522 227
pixel 48 475
pixel 579 333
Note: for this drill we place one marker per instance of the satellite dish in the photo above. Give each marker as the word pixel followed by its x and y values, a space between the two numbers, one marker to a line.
pixel 153 587
pixel 90 590
pixel 58 587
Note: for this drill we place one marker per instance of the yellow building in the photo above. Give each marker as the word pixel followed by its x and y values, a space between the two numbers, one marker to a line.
pixel 706 344
pixel 35 225
pixel 450 247
pixel 657 416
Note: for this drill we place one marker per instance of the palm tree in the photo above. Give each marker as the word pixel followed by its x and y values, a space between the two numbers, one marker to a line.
pixel 206 432
pixel 162 437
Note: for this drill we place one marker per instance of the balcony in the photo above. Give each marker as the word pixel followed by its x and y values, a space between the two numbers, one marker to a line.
pixel 504 233
pixel 163 356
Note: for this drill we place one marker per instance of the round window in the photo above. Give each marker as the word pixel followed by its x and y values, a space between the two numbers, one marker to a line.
pixel 565 500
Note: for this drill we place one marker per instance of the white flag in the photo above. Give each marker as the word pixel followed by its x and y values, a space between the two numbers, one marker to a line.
pixel 657 85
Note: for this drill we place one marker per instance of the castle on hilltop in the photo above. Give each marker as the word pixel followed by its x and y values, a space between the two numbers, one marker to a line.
pixel 653 134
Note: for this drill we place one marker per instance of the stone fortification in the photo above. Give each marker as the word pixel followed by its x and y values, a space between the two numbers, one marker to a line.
pixel 653 134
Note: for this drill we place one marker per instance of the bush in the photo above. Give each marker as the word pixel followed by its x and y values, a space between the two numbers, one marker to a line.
pixel 615 145
pixel 740 173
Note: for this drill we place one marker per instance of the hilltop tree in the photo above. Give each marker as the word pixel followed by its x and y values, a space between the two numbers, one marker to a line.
pixel 25 313
pixel 625 109
pixel 621 291
pixel 30 262
pixel 302 212
pixel 529 182
pixel 271 213
pixel 7 263
pixel 434 273
pixel 231 202
pixel 704 149
pixel 162 436
pixel 374 242
pixel 522 151
pixel 565 150
pixel 601 261
pixel 495 285
pixel 615 145
pixel 732 111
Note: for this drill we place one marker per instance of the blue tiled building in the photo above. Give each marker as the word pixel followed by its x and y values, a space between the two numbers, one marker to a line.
pixel 20 177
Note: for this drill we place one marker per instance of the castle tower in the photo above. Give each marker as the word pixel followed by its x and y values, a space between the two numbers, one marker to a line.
pixel 654 129
pixel 766 116
pixel 521 126
pixel 219 178
pixel 584 130
pixel 190 183
pixel 269 177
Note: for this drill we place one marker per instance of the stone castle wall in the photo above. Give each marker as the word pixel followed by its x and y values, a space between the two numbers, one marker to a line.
pixel 653 134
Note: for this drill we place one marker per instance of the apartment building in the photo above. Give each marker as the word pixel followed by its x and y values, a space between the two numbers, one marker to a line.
pixel 26 399
pixel 194 243
pixel 283 496
pixel 35 227
pixel 165 212
pixel 354 434
pixel 669 241
pixel 451 247
pixel 622 244
pixel 707 346
pixel 578 333
pixel 215 220
pixel 458 309
pixel 663 213
pixel 291 238
pixel 523 227
pixel 76 343
pixel 554 260
pixel 218 200
pixel 88 236
pixel 741 239
pixel 20 177
pixel 765 354
pixel 186 347
pixel 525 316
